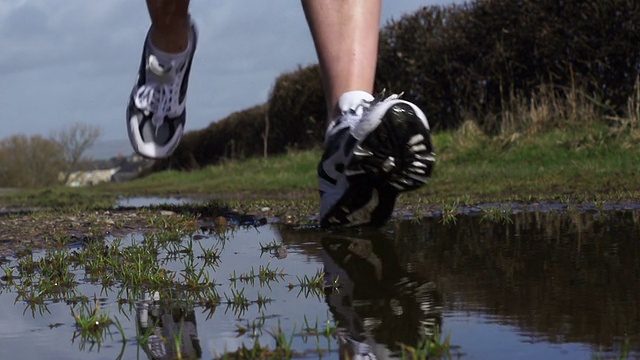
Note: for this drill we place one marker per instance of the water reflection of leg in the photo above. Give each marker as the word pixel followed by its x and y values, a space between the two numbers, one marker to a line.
pixel 167 329
pixel 379 304
pixel 353 340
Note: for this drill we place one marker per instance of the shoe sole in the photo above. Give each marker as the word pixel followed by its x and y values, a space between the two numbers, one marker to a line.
pixel 395 156
pixel 397 152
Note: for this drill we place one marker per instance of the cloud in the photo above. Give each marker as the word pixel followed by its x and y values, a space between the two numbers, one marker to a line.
pixel 42 33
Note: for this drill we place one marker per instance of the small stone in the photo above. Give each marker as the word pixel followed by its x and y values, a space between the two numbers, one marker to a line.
pixel 221 221
pixel 166 213
pixel 282 253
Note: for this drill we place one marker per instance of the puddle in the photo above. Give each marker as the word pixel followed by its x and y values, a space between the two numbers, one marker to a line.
pixel 536 285
pixel 143 201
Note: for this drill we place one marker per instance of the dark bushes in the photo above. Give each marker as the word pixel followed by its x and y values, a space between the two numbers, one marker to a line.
pixel 293 118
pixel 237 136
pixel 469 60
pixel 297 110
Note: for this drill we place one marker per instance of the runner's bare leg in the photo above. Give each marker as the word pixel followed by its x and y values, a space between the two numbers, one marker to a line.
pixel 345 34
pixel 170 24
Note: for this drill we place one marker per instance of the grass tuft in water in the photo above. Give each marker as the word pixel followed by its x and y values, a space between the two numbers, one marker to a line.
pixel 310 285
pixel 449 212
pixel 624 354
pixel 92 324
pixel 499 214
pixel 428 347
pixel 8 276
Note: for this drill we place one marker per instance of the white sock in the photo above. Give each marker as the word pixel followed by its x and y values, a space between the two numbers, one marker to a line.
pixel 168 58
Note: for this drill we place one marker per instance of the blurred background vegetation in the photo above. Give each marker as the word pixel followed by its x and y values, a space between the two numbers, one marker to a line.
pixel 37 161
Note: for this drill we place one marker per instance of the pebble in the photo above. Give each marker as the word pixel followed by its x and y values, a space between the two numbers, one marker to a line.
pixel 221 221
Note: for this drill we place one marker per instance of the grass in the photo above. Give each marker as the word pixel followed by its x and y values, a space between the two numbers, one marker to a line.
pixel 569 164
pixel 624 353
pixel 429 347
pixel 542 166
pixel 58 198
pixel 497 214
pixel 275 175
pixel 91 320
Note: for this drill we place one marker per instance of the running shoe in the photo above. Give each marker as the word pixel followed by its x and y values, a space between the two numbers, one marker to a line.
pixel 375 150
pixel 156 112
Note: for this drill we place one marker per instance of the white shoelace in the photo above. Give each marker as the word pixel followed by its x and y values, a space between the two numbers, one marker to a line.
pixel 157 97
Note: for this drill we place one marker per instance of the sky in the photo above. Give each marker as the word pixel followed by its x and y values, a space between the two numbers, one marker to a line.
pixel 75 61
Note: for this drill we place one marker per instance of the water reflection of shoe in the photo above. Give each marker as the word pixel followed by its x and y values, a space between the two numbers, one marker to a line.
pixel 156 112
pixel 378 301
pixel 355 350
pixel 161 323
pixel 156 346
pixel 373 151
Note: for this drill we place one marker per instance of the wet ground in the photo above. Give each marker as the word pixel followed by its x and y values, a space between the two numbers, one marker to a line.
pixel 555 282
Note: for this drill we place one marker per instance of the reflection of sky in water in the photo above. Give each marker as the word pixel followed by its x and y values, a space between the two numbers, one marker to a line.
pixel 240 254
pixel 152 201
pixel 482 337
pixel 487 316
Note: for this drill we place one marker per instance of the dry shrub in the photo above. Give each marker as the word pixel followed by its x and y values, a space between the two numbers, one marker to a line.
pixel 75 140
pixel 547 108
pixel 628 127
pixel 469 135
pixel 633 105
pixel 30 161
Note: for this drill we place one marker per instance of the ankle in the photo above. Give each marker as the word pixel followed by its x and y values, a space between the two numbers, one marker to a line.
pixel 173 39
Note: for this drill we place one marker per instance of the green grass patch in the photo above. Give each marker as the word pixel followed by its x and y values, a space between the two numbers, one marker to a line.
pixel 547 165
pixel 594 163
pixel 274 176
pixel 59 197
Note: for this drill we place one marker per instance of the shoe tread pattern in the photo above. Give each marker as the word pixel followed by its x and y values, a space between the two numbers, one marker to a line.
pixel 398 152
pixel 394 157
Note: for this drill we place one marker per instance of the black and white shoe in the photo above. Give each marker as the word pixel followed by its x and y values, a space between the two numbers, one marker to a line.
pixel 373 151
pixel 156 112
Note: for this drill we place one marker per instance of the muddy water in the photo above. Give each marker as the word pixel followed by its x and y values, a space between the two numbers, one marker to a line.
pixel 550 285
